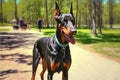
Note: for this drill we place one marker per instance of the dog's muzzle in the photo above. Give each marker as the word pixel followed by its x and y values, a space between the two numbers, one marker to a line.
pixel 73 31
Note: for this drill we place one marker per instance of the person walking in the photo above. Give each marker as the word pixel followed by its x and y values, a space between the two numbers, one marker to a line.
pixel 21 24
pixel 15 25
pixel 39 24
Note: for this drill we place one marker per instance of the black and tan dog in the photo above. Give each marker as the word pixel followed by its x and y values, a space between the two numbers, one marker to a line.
pixel 54 51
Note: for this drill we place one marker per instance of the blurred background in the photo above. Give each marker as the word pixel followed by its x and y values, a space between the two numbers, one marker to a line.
pixel 87 12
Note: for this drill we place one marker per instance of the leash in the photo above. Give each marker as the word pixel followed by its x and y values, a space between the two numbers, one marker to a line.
pixel 60 44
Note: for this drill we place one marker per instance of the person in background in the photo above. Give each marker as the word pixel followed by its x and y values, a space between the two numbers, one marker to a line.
pixel 21 24
pixel 15 25
pixel 39 24
pixel 29 23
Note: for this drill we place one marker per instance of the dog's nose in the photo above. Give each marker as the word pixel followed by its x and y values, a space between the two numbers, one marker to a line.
pixel 73 31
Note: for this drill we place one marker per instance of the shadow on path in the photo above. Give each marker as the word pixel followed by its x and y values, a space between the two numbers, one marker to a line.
pixel 10 71
pixel 4 74
pixel 12 41
pixel 9 41
pixel 16 57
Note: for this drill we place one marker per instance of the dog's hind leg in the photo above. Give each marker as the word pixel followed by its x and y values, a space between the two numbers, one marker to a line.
pixel 44 69
pixel 36 59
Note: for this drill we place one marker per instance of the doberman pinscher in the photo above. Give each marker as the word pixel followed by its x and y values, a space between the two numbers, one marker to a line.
pixel 54 51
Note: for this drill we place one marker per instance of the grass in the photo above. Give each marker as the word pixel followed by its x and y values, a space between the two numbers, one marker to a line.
pixel 107 44
pixel 5 24
pixel 3 29
pixel 47 31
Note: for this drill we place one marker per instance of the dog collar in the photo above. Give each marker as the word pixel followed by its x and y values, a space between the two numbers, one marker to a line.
pixel 60 44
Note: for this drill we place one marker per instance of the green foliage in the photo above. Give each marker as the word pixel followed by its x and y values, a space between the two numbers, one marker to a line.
pixel 5 24
pixel 46 31
pixel 36 8
pixel 109 35
pixel 8 10
pixel 49 32
pixel 30 9
pixel 108 43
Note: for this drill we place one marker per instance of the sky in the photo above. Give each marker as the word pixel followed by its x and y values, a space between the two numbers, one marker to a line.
pixel 17 0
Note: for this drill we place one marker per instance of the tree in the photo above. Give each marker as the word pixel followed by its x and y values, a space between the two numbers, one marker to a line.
pixel 79 15
pixel 32 9
pixel 77 12
pixel 99 15
pixel 16 15
pixel 90 14
pixel 8 10
pixel 46 6
pixel 116 13
pixel 95 11
pixel 1 12
pixel 83 10
pixel 111 12
pixel 93 16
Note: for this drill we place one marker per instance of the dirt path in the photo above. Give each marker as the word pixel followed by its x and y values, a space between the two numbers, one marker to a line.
pixel 16 60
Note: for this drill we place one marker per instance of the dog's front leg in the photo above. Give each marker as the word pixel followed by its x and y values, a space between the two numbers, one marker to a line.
pixel 49 76
pixel 65 74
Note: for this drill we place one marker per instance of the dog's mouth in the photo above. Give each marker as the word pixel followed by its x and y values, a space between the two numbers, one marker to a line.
pixel 69 38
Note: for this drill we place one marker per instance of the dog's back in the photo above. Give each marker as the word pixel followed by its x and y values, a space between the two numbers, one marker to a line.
pixel 42 44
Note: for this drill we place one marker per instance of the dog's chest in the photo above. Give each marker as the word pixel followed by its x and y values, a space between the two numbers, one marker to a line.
pixel 58 61
pixel 58 57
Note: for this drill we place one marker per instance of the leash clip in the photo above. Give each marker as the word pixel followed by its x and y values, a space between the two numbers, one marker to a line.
pixel 63 50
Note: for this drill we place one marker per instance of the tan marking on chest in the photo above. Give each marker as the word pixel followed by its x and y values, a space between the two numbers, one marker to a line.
pixel 54 66
pixel 67 65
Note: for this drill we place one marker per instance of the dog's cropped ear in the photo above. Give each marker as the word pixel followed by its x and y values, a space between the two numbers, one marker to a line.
pixel 57 10
pixel 71 9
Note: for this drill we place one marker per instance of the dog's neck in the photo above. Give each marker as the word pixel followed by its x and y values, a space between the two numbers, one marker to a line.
pixel 59 39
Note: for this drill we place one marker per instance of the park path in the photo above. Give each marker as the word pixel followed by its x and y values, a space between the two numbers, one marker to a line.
pixel 16 60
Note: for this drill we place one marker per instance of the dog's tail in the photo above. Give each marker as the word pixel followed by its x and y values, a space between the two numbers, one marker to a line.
pixel 36 59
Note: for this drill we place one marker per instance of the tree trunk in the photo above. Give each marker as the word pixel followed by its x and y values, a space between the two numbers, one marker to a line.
pixel 94 17
pixel 93 23
pixel 90 14
pixel 76 13
pixel 99 14
pixel 79 19
pixel 111 13
pixel 1 14
pixel 16 15
pixel 47 22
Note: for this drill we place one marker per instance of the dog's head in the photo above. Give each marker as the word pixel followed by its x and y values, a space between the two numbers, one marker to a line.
pixel 65 24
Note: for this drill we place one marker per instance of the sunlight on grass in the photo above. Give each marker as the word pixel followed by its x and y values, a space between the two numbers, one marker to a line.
pixel 3 29
pixel 108 43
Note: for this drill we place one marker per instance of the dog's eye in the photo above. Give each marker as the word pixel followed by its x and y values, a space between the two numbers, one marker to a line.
pixel 73 21
pixel 59 19
pixel 65 19
pixel 63 24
